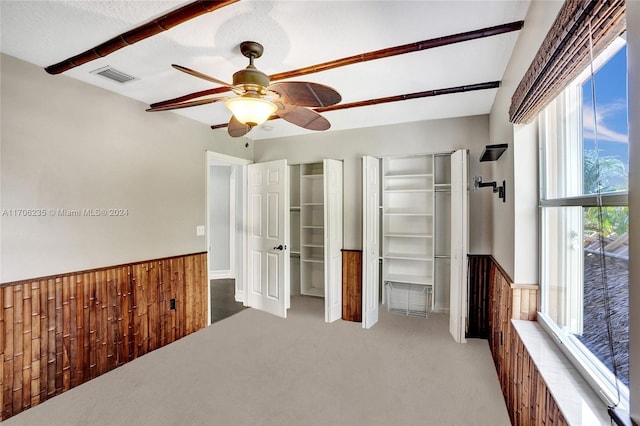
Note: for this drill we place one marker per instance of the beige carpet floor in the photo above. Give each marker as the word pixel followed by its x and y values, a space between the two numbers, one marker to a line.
pixel 257 369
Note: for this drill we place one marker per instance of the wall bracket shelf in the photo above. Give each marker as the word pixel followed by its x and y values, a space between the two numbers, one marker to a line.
pixel 493 152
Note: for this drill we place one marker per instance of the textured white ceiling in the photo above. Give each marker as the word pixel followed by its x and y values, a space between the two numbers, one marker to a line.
pixel 294 34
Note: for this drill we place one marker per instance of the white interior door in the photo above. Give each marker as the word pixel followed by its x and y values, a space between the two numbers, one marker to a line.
pixel 459 246
pixel 268 235
pixel 333 240
pixel 370 240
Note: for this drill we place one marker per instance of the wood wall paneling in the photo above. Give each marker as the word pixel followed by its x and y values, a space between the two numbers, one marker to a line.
pixel 352 285
pixel 526 395
pixel 59 332
pixel 478 323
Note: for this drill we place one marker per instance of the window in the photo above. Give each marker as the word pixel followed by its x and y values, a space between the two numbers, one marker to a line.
pixel 585 222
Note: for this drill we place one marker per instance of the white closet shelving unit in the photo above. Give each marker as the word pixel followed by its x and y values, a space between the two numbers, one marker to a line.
pixel 421 230
pixel 442 230
pixel 408 233
pixel 316 233
pixel 312 230
pixel 294 233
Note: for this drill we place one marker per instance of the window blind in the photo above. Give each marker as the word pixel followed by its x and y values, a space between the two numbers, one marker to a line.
pixel 564 52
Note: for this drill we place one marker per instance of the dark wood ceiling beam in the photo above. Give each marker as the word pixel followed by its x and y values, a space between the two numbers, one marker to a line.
pixel 369 56
pixel 416 95
pixel 158 25
pixel 397 98
pixel 401 50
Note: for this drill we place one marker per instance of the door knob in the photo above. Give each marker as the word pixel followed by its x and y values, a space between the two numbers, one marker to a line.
pixel 280 247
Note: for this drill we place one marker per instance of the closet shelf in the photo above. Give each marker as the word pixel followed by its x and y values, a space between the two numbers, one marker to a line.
pixel 405 212
pixel 407 175
pixel 408 190
pixel 312 227
pixel 407 235
pixel 409 256
pixel 313 259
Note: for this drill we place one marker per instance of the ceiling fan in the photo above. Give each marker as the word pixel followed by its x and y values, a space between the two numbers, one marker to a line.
pixel 257 98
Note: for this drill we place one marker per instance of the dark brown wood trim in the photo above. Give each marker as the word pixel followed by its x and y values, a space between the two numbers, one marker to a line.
pixel 367 56
pixel 416 95
pixel 401 50
pixel 158 25
pixel 103 268
pixel 397 98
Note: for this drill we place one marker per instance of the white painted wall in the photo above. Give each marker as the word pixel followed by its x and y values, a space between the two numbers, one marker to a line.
pixel 419 137
pixel 633 52
pixel 514 245
pixel 220 217
pixel 525 204
pixel 516 250
pixel 69 145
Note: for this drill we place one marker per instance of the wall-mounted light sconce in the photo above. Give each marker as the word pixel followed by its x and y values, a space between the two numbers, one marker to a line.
pixel 501 190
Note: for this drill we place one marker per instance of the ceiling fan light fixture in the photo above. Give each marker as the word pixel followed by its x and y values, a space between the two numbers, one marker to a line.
pixel 250 110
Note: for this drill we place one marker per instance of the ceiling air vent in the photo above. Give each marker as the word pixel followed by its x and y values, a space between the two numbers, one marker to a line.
pixel 113 74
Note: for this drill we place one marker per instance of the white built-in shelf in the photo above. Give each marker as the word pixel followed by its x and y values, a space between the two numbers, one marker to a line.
pixel 408 190
pixel 406 175
pixel 407 235
pixel 442 185
pixel 294 208
pixel 312 227
pixel 408 256
pixel 405 212
pixel 408 228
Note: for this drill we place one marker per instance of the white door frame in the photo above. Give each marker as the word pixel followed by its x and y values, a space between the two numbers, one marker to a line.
pixel 231 271
pixel 370 240
pixel 459 245
pixel 333 236
pixel 217 158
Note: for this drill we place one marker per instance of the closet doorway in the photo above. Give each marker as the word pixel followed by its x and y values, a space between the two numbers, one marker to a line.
pixel 242 206
pixel 226 178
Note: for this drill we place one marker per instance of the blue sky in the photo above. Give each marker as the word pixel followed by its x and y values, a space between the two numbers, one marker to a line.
pixel 611 109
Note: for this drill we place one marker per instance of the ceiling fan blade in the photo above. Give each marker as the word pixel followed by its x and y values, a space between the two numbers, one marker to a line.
pixel 301 116
pixel 304 93
pixel 236 128
pixel 202 76
pixel 178 105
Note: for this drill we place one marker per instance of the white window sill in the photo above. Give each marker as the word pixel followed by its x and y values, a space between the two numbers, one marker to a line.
pixel 576 400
